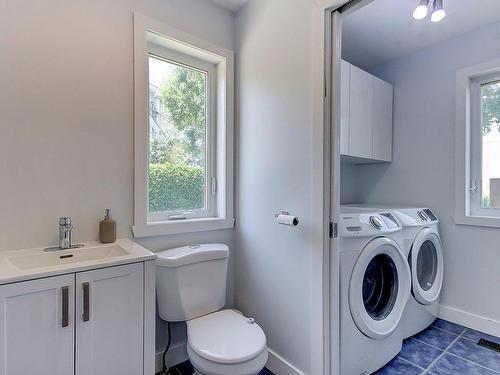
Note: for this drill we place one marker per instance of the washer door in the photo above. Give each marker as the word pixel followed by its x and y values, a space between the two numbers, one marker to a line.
pixel 379 288
pixel 426 262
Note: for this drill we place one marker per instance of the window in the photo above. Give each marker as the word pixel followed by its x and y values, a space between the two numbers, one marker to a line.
pixel 180 146
pixel 485 147
pixel 183 138
pixel 478 146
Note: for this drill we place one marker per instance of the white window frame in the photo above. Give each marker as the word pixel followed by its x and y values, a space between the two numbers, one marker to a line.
pixel 468 146
pixel 209 69
pixel 152 37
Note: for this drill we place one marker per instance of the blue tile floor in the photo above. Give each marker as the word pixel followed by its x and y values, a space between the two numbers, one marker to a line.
pixel 445 349
pixel 185 368
pixel 442 349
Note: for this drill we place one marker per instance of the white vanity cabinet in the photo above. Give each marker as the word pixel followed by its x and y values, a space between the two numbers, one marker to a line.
pixel 366 115
pixel 84 323
pixel 109 321
pixel 37 327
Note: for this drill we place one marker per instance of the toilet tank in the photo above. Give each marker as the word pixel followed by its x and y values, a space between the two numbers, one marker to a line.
pixel 191 281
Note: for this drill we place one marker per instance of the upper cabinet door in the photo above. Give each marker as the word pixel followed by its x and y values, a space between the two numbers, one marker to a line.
pixel 382 120
pixel 37 327
pixel 361 113
pixel 345 85
pixel 109 316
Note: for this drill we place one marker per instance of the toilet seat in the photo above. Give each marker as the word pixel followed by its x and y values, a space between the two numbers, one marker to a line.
pixel 226 337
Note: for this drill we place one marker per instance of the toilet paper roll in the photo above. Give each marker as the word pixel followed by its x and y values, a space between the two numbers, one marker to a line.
pixel 288 220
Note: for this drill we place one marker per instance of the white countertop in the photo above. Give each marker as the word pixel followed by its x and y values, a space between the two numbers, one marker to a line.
pixel 10 273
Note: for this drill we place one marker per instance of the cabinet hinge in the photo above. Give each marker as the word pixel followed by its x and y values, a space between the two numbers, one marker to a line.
pixel 333 230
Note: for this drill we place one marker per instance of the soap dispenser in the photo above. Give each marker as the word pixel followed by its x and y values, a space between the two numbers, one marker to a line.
pixel 107 228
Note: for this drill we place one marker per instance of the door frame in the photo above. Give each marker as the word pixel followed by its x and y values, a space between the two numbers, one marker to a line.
pixel 325 300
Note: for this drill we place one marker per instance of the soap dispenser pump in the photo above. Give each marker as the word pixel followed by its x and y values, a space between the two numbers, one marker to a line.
pixel 107 228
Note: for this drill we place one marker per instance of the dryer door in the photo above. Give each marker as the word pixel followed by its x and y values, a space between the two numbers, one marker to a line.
pixel 426 262
pixel 379 288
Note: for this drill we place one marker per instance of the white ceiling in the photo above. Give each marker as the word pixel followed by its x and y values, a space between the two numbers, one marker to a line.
pixel 385 30
pixel 232 5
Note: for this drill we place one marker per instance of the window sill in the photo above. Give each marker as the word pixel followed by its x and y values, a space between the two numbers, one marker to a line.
pixel 478 221
pixel 162 228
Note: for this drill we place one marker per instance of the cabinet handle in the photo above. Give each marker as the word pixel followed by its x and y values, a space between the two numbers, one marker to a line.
pixel 65 306
pixel 86 302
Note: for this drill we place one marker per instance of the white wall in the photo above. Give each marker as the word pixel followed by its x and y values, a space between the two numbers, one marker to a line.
pixel 66 114
pixel 349 183
pixel 423 168
pixel 274 169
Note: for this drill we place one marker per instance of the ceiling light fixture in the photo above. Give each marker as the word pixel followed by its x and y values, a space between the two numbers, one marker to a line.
pixel 438 12
pixel 420 11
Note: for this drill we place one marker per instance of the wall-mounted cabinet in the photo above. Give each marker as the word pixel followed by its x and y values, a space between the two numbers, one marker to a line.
pixel 366 115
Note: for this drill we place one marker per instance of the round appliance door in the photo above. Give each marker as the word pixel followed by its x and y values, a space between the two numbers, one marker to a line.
pixel 426 262
pixel 379 288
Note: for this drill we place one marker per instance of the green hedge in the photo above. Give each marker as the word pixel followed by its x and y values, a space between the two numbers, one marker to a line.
pixel 175 187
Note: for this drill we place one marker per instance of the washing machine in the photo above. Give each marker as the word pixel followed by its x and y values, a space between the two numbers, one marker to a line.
pixel 374 289
pixel 424 251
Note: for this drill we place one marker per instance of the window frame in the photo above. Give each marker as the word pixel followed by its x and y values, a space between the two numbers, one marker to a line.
pixel 476 140
pixel 180 59
pixel 153 38
pixel 468 146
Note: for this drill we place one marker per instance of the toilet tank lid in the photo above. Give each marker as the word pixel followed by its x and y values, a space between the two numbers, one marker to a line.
pixel 181 256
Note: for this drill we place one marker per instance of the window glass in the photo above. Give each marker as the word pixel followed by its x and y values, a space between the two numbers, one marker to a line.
pixel 177 137
pixel 490 115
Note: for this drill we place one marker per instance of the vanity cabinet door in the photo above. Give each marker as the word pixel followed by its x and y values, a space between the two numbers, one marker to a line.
pixel 109 321
pixel 37 327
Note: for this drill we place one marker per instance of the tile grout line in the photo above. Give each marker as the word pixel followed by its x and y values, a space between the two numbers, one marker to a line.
pixel 459 336
pixel 462 336
pixel 410 362
pixel 432 346
pixel 446 351
pixel 442 354
pixel 474 363
pixel 454 333
pixel 443 329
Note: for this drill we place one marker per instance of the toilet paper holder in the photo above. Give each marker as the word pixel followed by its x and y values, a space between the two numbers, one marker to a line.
pixel 281 213
pixel 285 218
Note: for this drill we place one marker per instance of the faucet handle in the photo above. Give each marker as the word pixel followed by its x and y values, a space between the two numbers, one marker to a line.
pixel 64 221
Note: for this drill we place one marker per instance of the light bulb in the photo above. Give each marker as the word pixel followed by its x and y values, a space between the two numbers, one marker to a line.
pixel 420 11
pixel 438 13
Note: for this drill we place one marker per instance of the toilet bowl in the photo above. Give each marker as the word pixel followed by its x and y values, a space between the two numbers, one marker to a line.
pixel 226 343
pixel 191 288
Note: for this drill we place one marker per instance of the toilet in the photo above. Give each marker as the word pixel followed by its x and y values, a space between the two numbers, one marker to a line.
pixel 191 288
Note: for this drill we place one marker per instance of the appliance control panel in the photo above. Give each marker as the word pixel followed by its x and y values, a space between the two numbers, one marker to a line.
pixel 367 224
pixel 416 216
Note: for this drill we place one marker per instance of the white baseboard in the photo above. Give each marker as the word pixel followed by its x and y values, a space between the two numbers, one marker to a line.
pixel 279 366
pixel 176 354
pixel 474 321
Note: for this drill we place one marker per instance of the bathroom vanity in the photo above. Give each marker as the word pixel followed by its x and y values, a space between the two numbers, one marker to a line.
pixel 85 311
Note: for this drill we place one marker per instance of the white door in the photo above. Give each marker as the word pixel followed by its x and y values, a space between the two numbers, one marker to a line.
pixel 37 327
pixel 361 113
pixel 109 321
pixel 382 120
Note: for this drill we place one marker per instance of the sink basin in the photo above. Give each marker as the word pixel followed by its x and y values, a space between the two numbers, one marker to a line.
pixel 45 259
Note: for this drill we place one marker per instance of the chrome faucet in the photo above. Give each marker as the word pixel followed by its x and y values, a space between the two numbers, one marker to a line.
pixel 65 231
